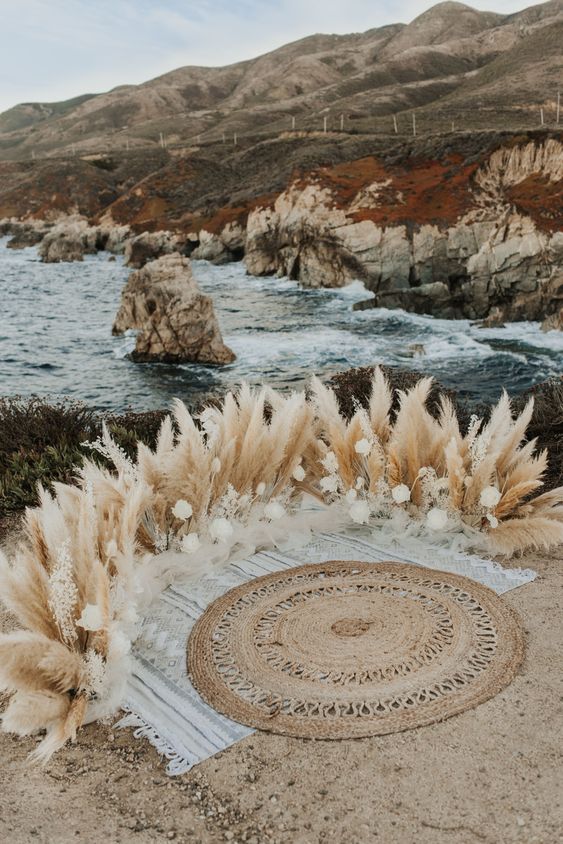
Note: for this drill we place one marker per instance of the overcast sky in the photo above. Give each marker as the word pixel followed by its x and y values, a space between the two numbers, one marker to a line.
pixel 56 49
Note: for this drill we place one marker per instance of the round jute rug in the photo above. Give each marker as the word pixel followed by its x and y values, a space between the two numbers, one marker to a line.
pixel 344 649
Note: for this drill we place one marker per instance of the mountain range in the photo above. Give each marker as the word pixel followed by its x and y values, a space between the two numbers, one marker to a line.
pixel 452 67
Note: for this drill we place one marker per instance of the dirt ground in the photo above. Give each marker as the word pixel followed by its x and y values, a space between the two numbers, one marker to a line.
pixel 494 774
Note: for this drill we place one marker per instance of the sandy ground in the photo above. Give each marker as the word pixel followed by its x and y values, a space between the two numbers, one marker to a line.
pixel 494 774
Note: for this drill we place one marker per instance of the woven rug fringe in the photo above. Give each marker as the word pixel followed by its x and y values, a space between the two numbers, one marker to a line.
pixel 177 764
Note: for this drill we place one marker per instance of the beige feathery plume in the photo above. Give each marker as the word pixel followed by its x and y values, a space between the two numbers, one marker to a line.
pixel 413 435
pixel 62 731
pixel 510 444
pixel 513 496
pixel 31 662
pixel 24 591
pixel 532 532
pixel 30 712
pixel 455 471
pixel 394 467
pixel 549 504
pixel 380 405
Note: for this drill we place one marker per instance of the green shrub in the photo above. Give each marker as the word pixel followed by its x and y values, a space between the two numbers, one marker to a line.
pixel 45 443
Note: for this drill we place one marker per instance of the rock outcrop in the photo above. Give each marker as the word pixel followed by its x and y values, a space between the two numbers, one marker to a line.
pixel 73 237
pixel 149 246
pixel 221 248
pixel 27 234
pixel 175 321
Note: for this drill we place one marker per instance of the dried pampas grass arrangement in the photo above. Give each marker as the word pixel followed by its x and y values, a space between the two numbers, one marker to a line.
pixel 260 469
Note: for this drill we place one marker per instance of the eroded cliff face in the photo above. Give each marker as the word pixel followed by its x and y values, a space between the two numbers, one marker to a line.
pixel 462 226
pixel 422 239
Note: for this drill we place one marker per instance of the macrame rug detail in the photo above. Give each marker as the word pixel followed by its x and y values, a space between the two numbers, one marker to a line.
pixel 162 704
pixel 343 649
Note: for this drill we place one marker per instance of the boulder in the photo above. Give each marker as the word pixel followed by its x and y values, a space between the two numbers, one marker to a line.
pixel 553 322
pixel 149 246
pixel 175 321
pixel 69 240
pixel 220 249
pixel 27 234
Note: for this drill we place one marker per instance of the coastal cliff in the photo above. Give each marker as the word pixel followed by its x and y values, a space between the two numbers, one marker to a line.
pixel 496 250
pixel 462 226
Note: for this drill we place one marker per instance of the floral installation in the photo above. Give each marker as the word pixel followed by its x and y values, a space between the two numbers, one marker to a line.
pixel 479 484
pixel 258 471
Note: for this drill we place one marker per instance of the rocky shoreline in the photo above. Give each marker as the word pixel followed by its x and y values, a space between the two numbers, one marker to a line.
pixel 479 237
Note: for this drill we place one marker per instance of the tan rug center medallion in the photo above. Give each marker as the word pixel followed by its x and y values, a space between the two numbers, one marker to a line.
pixel 343 649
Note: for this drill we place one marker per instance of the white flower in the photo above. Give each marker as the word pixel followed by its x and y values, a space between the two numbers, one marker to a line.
pixel 274 510
pixel 261 488
pixel 493 521
pixel 299 473
pixel 221 529
pixel 91 618
pixel 401 493
pixel 359 512
pixel 490 497
pixel 436 519
pixel 215 465
pixel 329 483
pixel 182 510
pixel 363 446
pixel 360 483
pixel 330 462
pixel 190 543
pixel 351 496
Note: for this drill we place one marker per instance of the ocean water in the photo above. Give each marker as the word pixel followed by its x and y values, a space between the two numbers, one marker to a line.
pixel 55 338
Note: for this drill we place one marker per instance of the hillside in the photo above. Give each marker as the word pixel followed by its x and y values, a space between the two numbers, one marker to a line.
pixel 478 69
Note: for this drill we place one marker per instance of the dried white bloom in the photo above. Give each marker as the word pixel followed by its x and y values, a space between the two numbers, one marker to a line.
pixel 91 618
pixel 401 493
pixel 360 482
pixel 215 465
pixel 261 488
pixel 221 530
pixel 359 512
pixel 95 672
pixel 478 449
pixel 493 521
pixel 274 510
pixel 182 510
pixel 190 543
pixel 63 594
pixel 329 483
pixel 351 496
pixel 299 473
pixel 436 519
pixel 490 497
pixel 330 462
pixel 363 447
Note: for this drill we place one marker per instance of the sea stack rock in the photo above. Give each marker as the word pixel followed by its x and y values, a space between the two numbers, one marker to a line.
pixel 175 321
